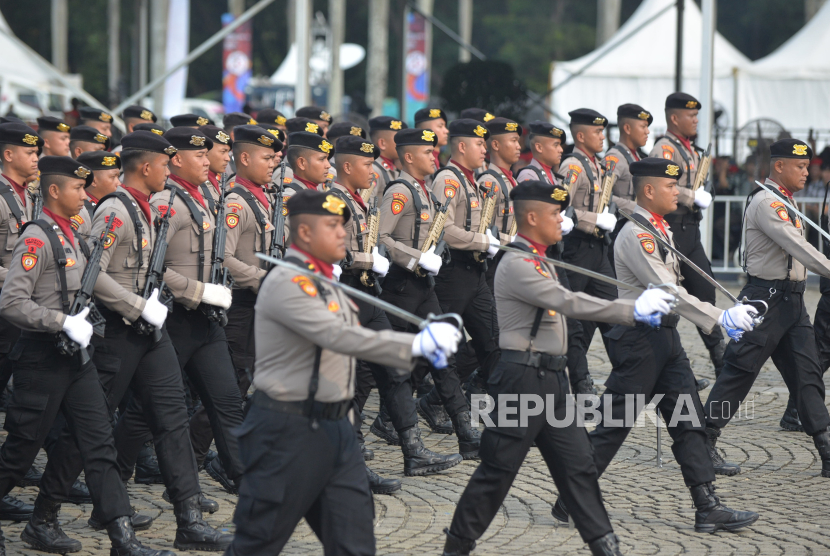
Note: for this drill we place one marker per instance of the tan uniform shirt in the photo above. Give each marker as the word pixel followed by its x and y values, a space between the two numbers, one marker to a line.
pixel 182 257
pixel 445 186
pixel 244 239
pixel 122 279
pixel 294 315
pixel 524 284
pixel 383 174
pixel 671 148
pixel 623 190
pixel 357 227
pixel 772 237
pixel 639 262
pixel 584 192
pixel 9 228
pixel 398 215
pixel 31 296
pixel 288 192
pixel 503 214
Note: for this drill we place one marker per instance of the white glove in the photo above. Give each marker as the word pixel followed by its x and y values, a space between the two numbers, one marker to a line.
pixel 430 262
pixel 653 300
pixel 606 220
pixel 492 251
pixel 567 225
pixel 216 295
pixel 380 264
pixel 154 311
pixel 336 270
pixel 739 316
pixel 78 328
pixel 437 342
pixel 703 198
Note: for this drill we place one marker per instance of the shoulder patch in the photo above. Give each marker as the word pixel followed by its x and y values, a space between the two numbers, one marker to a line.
pixel 397 205
pixel 109 240
pixel 118 222
pixel 782 212
pixel 400 197
pixel 34 243
pixel 76 221
pixel 575 168
pixel 235 206
pixel 647 242
pixel 611 162
pixel 232 220
pixel 306 285
pixel 28 260
pixel 162 210
pixel 538 266
pixel 668 151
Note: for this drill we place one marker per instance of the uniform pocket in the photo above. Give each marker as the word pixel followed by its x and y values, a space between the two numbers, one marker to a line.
pixel 748 352
pixel 25 413
pixel 502 450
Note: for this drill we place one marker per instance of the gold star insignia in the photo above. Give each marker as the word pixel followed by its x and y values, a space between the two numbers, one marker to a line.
pixel 325 146
pixel 30 139
pixel 672 170
pixel 201 120
pixel 356 131
pixel 367 148
pixel 480 131
pixel 197 141
pixel 396 124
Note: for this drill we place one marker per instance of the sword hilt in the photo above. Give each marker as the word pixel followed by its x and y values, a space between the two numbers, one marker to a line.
pixel 759 318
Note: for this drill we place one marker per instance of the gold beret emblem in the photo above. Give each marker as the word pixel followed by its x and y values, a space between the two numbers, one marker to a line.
pixel 146 115
pixel 325 146
pixel 104 117
pixel 691 104
pixel 672 170
pixel 280 120
pixel 800 150
pixel 334 205
pixel 157 131
pixel 434 113
pixel 488 116
pixel 63 127
pixel 559 194
pixel 82 172
pixel 100 138
pixel 198 141
pixel 252 122
pixel 170 151
pixel 367 148
pixel 267 141
pixel 643 115
pixel 223 137
pixel 325 116
pixel 30 139
pixel 395 124
pixel 556 132
pixel 511 126
pixel 274 132
pixel 109 161
pixel 356 131
pixel 480 131
pixel 201 120
pixel 312 128
pixel 599 121
pixel 428 136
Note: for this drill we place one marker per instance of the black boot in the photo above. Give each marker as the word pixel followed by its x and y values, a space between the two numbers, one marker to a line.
pixel 139 521
pixel 210 456
pixel 417 460
pixel 217 472
pixel 434 414
pixel 44 533
pixel 31 479
pixel 456 546
pixel 124 543
pixel 607 545
pixel 701 384
pixel 147 470
pixel 79 493
pixel 822 442
pixel 12 509
pixel 790 421
pixel 379 485
pixel 469 439
pixel 207 505
pixel 192 532
pixel 716 355
pixel 721 467
pixel 711 515
pixel 382 428
pixel 559 511
pixel 368 453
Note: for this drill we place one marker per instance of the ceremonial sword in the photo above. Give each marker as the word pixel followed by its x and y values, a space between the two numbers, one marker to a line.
pixel 795 210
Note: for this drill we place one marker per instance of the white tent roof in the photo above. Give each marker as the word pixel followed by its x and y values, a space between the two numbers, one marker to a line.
pixel 804 55
pixel 19 65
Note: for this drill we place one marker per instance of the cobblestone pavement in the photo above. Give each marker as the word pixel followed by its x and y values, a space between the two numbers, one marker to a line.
pixel 649 506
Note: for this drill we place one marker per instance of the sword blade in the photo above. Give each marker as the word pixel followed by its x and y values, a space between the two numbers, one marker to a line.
pixel 682 257
pixel 795 210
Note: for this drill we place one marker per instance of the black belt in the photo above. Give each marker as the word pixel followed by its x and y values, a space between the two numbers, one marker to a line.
pixel 38 336
pixel 462 256
pixel 534 359
pixel 667 321
pixel 580 235
pixel 781 285
pixel 328 411
pixel 397 271
pixel 243 295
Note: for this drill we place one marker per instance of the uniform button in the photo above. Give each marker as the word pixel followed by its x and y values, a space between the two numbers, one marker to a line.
pixel 541 374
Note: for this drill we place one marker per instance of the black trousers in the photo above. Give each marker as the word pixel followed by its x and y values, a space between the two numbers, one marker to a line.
pixel 294 472
pixel 461 288
pixel 126 359
pixel 566 450
pixel 647 362
pixel 821 325
pixel 686 236
pixel 590 253
pixel 202 351
pixel 787 336
pixel 47 382
pixel 9 335
pixel 404 289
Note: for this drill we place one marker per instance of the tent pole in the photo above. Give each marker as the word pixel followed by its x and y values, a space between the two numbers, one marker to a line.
pixel 707 113
pixel 678 52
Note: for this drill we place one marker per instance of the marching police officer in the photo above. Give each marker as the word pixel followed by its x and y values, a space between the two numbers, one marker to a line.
pixel 308 157
pixel 273 117
pixel 219 157
pixel 546 142
pixel 335 132
pixel 98 119
pixel 317 115
pixel 84 138
pixel 55 134
pixel 533 340
pixel 435 120
pixel 676 145
pixel 382 131
pixel 106 172
pixel 632 121
pixel 650 360
pixel 136 115
pixel 307 338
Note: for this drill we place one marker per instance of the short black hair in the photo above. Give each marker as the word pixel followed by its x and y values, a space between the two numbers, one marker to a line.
pixel 639 182
pixel 295 152
pixel 131 159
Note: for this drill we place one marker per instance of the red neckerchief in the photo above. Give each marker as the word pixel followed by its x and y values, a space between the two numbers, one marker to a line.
pixel 326 268
pixel 437 160
pixel 63 224
pixel 389 162
pixel 309 184
pixel 658 222
pixel 548 170
pixel 356 198
pixel 255 189
pixel 540 249
pixel 633 153
pixel 592 159
pixel 783 189
pixel 509 175
pixel 685 142
pixel 468 173
pixel 423 185
pixel 213 178
pixel 143 201
pixel 21 191
pixel 92 199
pixel 190 188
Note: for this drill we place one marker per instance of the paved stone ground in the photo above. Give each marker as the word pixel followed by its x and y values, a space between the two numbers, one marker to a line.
pixel 649 507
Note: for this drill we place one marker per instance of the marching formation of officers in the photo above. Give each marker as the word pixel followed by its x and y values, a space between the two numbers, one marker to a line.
pixel 148 289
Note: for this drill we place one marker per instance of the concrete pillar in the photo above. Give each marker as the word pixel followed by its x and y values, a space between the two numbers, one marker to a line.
pixel 465 27
pixel 60 35
pixel 608 19
pixel 426 7
pixel 159 10
pixel 302 24
pixel 337 22
pixel 377 65
pixel 236 7
pixel 114 35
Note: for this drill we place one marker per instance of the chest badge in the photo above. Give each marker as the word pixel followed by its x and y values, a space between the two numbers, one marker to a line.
pixel 206 225
pixel 334 306
pixel 70 262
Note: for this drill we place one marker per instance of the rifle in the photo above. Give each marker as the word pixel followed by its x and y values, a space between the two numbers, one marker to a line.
pixel 605 201
pixel 83 297
pixel 486 217
pixel 37 205
pixel 329 179
pixel 277 248
pixel 435 237
pixel 219 275
pixel 155 272
pixel 367 277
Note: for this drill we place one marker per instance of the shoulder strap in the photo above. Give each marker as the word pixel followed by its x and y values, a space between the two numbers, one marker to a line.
pixel 129 204
pixel 468 222
pixel 537 318
pixel 295 186
pixel 630 159
pixel 383 171
pixel 419 207
pixel 9 196
pixel 586 164
pixel 208 197
pixel 196 215
pixel 505 195
pixel 260 218
pixel 350 204
pixel 58 253
pixel 539 173
pixel 683 155
pixel 823 220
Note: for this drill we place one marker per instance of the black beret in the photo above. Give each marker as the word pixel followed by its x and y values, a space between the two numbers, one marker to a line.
pixel 303 124
pixel 499 126
pixel 50 123
pixel 64 166
pixel 319 203
pixel 682 100
pixel 479 114
pixel 415 136
pixel 384 123
pixel 234 119
pixel 256 135
pixel 310 141
pixel 139 112
pixel 537 190
pixel 270 116
pixel 350 144
pixel 586 116
pixel 427 114
pixel 790 148
pixel 14 133
pixel 341 129
pixel 538 127
pixel 656 168
pixel 147 141
pixel 7 119
pixel 89 135
pixel 90 113
pixel 155 128
pixel 275 131
pixel 217 135
pixel 468 128
pixel 100 160
pixel 190 120
pixel 635 112
pixel 313 113
pixel 187 139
